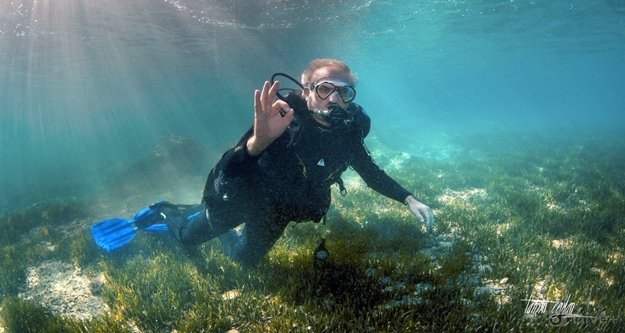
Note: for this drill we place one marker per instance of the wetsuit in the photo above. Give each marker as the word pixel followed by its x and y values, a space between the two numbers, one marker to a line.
pixel 289 181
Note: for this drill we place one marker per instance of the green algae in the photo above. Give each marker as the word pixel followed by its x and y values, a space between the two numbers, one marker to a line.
pixel 525 216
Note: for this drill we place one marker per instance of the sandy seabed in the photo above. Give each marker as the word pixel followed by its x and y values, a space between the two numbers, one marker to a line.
pixel 65 289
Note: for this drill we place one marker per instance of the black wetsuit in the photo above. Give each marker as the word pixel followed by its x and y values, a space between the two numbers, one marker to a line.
pixel 289 181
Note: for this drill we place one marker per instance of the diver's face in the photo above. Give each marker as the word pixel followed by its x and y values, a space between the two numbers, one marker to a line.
pixel 326 79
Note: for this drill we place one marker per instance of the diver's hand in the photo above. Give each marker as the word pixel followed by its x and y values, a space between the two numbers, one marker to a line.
pixel 421 211
pixel 271 117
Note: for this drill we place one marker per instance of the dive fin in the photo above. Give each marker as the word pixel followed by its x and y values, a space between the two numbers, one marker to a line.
pixel 114 233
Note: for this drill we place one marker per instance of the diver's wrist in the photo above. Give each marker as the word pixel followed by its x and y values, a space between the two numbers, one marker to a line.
pixel 253 148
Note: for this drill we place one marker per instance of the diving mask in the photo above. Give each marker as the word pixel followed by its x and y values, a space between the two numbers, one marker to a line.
pixel 335 115
pixel 325 88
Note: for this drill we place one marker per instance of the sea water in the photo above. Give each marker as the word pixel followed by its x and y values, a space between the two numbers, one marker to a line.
pixel 506 117
pixel 89 86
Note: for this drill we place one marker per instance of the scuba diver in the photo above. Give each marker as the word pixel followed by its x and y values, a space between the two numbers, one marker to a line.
pixel 282 168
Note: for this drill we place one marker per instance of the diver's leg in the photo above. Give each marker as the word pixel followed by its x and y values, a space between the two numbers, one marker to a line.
pixel 198 229
pixel 256 239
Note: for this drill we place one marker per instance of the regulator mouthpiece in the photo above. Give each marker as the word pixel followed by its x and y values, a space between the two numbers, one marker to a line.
pixel 336 116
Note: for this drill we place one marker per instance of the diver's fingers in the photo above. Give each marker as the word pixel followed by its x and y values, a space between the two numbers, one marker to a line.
pixel 431 221
pixel 419 214
pixel 273 90
pixel 426 216
pixel 257 102
pixel 265 100
pixel 430 218
pixel 269 93
pixel 281 107
pixel 287 113
pixel 275 106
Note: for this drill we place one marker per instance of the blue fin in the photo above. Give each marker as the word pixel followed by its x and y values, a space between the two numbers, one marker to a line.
pixel 114 233
pixel 159 227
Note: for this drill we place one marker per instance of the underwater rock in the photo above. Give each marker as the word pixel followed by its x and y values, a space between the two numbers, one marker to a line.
pixel 171 159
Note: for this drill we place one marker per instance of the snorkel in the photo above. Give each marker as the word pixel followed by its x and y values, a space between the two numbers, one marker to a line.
pixel 335 116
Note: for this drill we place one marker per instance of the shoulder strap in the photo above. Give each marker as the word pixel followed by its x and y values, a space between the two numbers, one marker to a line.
pixel 298 104
pixel 362 121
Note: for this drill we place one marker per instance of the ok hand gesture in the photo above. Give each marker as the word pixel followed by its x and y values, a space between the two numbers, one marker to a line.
pixel 271 117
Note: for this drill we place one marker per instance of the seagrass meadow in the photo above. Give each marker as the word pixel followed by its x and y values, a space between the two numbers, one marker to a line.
pixel 505 117
pixel 529 238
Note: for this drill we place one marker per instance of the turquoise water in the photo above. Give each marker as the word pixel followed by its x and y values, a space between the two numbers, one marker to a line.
pixel 89 87
pixel 506 117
